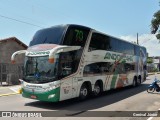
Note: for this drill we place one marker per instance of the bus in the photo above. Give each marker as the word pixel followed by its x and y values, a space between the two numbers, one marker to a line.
pixel 69 61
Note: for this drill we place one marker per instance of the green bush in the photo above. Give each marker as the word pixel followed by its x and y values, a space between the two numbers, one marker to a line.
pixel 155 69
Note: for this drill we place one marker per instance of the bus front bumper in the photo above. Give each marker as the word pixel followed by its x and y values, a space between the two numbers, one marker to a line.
pixel 49 96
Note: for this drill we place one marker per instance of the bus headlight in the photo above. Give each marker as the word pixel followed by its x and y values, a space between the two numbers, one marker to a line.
pixel 51 96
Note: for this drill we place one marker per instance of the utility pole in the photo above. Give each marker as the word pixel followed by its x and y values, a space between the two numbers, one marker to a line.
pixel 137 39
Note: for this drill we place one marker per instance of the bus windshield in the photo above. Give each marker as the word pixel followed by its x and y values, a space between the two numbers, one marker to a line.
pixel 71 35
pixel 39 70
pixel 52 35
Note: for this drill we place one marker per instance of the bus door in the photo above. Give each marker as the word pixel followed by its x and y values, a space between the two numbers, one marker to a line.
pixel 68 66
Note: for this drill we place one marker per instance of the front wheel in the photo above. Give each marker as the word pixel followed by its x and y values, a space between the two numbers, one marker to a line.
pixel 150 90
pixel 83 92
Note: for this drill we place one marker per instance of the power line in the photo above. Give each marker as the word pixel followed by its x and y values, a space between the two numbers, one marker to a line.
pixel 20 21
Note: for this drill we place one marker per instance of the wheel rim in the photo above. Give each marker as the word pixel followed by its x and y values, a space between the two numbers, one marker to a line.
pixel 139 81
pixel 84 92
pixel 97 90
pixel 150 90
pixel 134 82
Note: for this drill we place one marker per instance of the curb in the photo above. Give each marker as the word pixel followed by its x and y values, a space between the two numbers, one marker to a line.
pixel 153 73
pixel 8 94
pixel 13 93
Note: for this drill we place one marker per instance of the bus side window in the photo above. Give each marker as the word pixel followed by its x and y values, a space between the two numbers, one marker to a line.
pixel 97 68
pixel 99 42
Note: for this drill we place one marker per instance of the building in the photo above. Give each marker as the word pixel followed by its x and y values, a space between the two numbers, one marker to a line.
pixel 10 73
pixel 155 65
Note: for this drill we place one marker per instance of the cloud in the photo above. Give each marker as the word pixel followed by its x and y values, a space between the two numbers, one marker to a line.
pixel 147 40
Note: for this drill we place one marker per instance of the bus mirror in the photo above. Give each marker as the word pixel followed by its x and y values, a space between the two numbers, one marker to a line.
pixel 51 60
pixel 14 55
pixel 61 49
pixel 13 61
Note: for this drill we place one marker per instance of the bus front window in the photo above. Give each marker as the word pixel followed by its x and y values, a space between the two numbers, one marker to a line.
pixel 39 70
pixel 51 35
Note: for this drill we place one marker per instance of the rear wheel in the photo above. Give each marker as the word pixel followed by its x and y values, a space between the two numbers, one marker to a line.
pixel 139 81
pixel 97 89
pixel 134 84
pixel 150 90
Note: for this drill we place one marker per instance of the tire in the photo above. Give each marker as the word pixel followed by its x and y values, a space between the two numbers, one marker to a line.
pixel 134 84
pixel 139 81
pixel 150 90
pixel 97 90
pixel 84 92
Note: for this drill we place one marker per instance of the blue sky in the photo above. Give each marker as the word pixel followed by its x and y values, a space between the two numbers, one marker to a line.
pixel 120 18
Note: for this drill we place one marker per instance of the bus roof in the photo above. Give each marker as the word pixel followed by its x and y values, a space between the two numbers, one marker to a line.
pixel 65 26
pixel 104 34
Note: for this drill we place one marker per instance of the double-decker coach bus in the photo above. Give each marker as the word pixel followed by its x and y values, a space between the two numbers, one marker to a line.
pixel 68 61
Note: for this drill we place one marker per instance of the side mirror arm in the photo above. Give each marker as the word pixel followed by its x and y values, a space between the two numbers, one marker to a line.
pixel 61 49
pixel 15 54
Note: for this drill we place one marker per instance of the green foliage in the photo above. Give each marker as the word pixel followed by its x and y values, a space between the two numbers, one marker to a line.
pixel 149 60
pixel 155 69
pixel 155 24
pixel 158 36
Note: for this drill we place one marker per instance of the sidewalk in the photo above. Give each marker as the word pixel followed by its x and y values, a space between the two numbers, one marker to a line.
pixel 152 73
pixel 9 90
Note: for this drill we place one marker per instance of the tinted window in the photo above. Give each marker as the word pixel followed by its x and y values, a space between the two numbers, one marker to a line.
pixel 114 44
pixel 128 48
pixel 97 68
pixel 121 46
pixel 137 50
pixel 99 42
pixel 107 67
pixel 51 35
pixel 144 51
pixel 129 67
pixel 68 63
pixel 76 36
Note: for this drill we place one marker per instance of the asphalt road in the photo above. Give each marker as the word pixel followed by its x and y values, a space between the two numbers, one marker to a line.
pixel 127 99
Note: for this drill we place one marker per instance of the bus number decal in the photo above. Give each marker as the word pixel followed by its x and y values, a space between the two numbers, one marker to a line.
pixel 79 35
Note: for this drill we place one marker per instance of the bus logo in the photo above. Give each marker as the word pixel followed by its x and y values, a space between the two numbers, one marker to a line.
pixel 114 56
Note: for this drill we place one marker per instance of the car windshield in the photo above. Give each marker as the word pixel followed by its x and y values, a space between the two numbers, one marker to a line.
pixel 39 70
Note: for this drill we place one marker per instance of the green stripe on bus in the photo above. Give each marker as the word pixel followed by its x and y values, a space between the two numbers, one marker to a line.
pixel 114 78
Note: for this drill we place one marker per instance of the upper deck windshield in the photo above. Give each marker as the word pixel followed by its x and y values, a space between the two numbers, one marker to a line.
pixel 51 35
pixel 39 70
pixel 72 35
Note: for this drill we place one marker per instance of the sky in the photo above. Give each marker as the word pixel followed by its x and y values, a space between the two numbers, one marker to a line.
pixel 119 18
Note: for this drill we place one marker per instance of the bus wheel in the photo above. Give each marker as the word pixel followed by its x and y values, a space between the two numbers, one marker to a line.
pixel 97 89
pixel 83 92
pixel 139 81
pixel 134 84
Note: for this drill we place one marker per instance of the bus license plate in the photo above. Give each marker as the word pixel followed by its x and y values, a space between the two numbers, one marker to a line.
pixel 33 96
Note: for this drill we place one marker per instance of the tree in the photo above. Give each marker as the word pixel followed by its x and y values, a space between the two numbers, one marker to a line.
pixel 149 60
pixel 155 24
